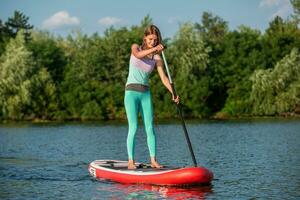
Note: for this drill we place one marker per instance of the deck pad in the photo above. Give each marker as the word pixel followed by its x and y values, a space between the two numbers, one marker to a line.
pixel 122 165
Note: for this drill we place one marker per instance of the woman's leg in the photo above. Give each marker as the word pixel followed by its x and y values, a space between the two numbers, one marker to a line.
pixel 131 102
pixel 147 114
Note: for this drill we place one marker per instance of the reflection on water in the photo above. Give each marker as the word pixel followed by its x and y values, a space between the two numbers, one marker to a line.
pixel 119 191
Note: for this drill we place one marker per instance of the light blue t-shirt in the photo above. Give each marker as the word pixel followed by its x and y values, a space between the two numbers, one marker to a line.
pixel 140 70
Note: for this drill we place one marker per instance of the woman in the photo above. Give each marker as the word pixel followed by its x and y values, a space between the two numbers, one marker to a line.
pixel 143 60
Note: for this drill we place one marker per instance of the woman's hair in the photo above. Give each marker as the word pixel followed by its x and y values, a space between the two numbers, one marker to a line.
pixel 152 29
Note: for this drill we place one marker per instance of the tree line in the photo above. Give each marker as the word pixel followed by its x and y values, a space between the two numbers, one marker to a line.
pixel 217 72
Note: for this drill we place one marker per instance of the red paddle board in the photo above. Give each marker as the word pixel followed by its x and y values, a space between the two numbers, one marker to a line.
pixel 117 171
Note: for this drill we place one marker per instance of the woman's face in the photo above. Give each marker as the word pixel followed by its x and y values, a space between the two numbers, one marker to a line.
pixel 150 41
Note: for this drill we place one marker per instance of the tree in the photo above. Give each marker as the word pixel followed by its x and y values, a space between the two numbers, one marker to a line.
pixel 213 30
pixel 296 6
pixel 16 23
pixel 189 57
pixel 16 67
pixel 242 55
pixel 43 93
pixel 47 53
pixel 4 37
pixel 277 91
pixel 281 36
pixel 26 90
pixel 95 76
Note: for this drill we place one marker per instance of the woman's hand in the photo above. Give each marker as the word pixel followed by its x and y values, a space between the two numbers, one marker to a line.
pixel 159 48
pixel 176 100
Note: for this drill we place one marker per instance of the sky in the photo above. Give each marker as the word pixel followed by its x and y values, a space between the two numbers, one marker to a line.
pixel 60 17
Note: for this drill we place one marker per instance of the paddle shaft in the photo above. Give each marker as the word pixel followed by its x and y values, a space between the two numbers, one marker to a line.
pixel 180 111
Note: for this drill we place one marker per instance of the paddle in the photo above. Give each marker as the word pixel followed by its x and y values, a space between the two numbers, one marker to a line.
pixel 180 111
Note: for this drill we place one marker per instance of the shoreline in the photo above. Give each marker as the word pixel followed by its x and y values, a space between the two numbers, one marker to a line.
pixel 156 120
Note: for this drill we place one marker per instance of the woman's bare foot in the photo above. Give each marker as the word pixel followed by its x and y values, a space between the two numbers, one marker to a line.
pixel 154 163
pixel 131 164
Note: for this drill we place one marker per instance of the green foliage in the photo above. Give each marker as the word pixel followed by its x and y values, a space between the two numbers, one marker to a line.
pixel 277 91
pixel 83 67
pixel 11 27
pixel 91 110
pixel 18 22
pixel 241 56
pixel 16 68
pixel 296 6
pixel 213 30
pixel 3 37
pixel 43 94
pixel 23 91
pixel 280 38
pixel 46 52
pixel 190 57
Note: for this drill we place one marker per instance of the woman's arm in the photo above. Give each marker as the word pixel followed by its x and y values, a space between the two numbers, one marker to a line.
pixel 164 78
pixel 141 54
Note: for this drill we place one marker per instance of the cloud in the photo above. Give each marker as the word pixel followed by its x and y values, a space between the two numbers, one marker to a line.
pixel 269 3
pixel 109 21
pixel 282 7
pixel 60 19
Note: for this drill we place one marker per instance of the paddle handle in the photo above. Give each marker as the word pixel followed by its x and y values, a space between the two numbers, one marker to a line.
pixel 180 111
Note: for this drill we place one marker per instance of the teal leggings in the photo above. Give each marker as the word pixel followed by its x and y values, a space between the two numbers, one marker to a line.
pixel 135 102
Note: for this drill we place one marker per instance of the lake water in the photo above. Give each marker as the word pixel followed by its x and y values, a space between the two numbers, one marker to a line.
pixel 250 159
